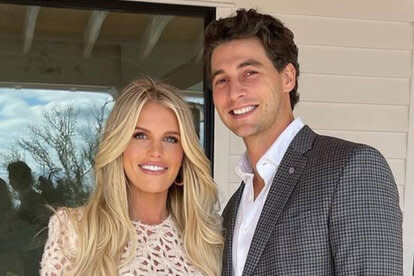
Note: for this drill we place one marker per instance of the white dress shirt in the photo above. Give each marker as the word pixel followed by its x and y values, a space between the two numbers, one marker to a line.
pixel 250 209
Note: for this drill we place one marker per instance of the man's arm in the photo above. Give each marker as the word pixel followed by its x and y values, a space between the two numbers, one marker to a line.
pixel 365 219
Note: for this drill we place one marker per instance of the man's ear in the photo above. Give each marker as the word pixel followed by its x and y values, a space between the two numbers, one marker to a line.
pixel 288 75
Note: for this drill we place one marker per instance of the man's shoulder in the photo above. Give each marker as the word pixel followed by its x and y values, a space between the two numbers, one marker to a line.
pixel 334 149
pixel 334 152
pixel 337 145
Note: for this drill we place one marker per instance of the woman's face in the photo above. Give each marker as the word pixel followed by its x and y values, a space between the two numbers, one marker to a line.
pixel 153 157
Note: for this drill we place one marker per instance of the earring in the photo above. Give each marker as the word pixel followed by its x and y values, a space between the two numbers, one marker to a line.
pixel 178 183
pixel 179 179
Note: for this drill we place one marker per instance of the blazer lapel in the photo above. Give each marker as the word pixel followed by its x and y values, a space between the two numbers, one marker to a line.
pixel 229 223
pixel 286 178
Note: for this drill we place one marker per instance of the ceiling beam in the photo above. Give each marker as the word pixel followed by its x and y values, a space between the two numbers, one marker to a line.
pixel 185 75
pixel 29 27
pixel 198 48
pixel 92 31
pixel 153 33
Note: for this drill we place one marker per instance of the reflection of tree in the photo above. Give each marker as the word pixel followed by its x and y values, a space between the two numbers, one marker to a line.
pixel 63 150
pixel 63 144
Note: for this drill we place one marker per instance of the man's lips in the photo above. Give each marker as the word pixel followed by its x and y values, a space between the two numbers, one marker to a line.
pixel 243 110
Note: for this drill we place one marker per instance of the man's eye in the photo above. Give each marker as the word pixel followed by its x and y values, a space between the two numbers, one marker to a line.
pixel 220 81
pixel 250 73
pixel 140 135
pixel 171 139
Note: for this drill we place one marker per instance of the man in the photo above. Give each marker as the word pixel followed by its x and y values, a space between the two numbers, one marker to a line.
pixel 308 204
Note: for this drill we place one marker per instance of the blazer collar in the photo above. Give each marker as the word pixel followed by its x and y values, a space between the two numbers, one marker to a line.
pixel 286 178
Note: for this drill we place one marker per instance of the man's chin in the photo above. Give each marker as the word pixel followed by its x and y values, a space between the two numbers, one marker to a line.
pixel 243 132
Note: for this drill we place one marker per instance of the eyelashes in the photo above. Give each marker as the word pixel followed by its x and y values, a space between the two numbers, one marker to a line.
pixel 143 136
pixel 221 81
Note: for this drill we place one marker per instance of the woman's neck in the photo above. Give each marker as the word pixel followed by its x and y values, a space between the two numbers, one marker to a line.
pixel 148 208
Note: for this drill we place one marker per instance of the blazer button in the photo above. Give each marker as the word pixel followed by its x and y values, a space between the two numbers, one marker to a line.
pixel 291 170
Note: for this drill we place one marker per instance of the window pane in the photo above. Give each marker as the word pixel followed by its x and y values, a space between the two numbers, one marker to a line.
pixel 61 70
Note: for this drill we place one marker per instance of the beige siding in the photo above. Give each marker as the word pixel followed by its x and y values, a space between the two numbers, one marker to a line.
pixel 354 89
pixel 338 116
pixel 396 10
pixel 322 31
pixel 393 145
pixel 355 61
pixel 408 223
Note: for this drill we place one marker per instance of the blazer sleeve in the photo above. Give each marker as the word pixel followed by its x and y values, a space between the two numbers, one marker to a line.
pixel 365 220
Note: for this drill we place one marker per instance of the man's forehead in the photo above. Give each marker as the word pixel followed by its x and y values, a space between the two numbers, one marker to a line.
pixel 237 51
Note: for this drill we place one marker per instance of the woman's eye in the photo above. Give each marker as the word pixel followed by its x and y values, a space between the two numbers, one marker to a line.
pixel 140 135
pixel 171 139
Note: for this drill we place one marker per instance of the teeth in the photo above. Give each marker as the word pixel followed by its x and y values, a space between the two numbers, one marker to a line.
pixel 152 167
pixel 243 110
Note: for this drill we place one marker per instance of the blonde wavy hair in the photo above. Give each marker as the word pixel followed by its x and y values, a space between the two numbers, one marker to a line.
pixel 103 225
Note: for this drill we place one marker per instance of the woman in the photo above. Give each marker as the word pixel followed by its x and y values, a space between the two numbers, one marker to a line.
pixel 154 211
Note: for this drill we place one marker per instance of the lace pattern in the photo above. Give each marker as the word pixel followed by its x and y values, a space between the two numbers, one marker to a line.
pixel 60 243
pixel 160 250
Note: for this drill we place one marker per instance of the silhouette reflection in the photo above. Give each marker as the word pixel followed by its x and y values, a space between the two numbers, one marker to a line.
pixel 25 208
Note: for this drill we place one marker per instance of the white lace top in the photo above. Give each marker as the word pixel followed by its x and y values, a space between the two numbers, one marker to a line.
pixel 160 250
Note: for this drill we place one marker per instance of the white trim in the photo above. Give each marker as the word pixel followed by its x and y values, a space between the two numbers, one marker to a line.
pixel 222 138
pixel 408 223
pixel 221 159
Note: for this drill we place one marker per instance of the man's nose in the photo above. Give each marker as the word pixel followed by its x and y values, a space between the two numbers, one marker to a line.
pixel 237 90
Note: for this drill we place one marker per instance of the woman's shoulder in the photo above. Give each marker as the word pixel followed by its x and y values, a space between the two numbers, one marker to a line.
pixel 63 217
pixel 61 242
pixel 62 225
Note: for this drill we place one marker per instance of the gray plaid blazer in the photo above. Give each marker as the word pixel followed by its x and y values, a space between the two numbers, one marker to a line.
pixel 332 209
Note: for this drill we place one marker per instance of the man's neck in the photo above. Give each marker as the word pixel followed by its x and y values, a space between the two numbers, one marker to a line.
pixel 256 146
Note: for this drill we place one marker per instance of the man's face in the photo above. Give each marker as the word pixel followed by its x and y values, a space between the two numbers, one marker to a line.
pixel 250 95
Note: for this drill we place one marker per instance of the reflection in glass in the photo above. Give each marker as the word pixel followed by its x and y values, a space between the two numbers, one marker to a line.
pixel 60 71
pixel 48 142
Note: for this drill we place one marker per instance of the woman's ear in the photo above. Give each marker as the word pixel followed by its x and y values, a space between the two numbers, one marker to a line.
pixel 288 76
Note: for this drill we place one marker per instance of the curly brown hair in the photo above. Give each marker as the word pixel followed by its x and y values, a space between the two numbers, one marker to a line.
pixel 276 39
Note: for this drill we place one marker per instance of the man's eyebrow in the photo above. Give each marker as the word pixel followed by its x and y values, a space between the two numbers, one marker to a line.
pixel 249 62
pixel 218 72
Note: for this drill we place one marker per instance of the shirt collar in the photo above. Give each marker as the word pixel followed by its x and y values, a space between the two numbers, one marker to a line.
pixel 275 152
